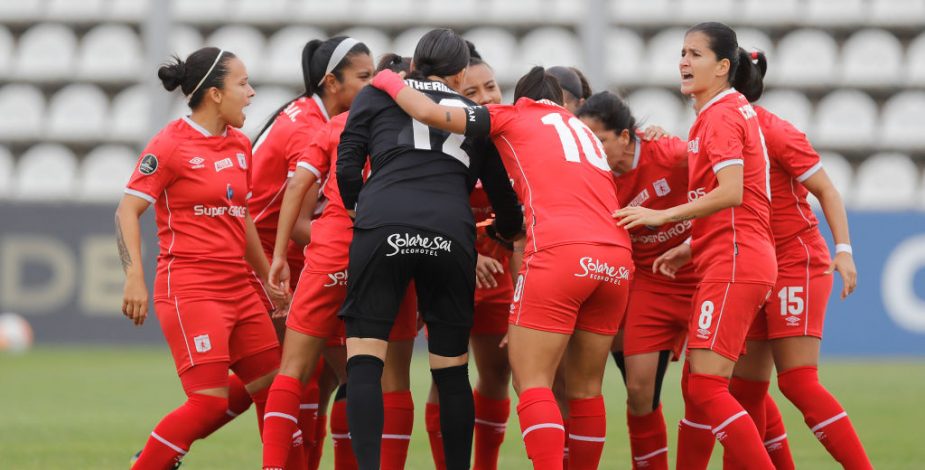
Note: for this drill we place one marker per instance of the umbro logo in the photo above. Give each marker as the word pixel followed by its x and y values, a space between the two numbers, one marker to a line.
pixel 196 163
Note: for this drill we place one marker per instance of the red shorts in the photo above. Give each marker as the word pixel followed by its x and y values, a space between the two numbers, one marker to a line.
pixel 797 303
pixel 655 321
pixel 318 299
pixel 573 286
pixel 208 330
pixel 492 307
pixel 723 312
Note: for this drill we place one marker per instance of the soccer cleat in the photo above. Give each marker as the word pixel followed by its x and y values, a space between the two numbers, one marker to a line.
pixel 134 459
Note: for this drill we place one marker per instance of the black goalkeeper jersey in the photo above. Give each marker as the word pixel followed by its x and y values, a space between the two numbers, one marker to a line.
pixel 420 176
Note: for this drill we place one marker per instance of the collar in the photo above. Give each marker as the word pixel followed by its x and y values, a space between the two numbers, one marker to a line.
pixel 636 152
pixel 716 98
pixel 324 111
pixel 202 130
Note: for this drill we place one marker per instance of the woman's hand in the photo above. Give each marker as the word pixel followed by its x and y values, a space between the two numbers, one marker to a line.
pixel 654 133
pixel 669 262
pixel 630 217
pixel 485 270
pixel 135 299
pixel 844 264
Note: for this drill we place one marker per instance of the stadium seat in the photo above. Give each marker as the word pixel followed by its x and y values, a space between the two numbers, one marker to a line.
pixel 74 10
pixel 629 12
pixel 915 62
pixel 323 11
pixel 46 171
pixel 6 52
pixel 834 12
pixel 127 10
pixel 886 181
pixel 268 99
pixel 184 40
pixel 763 12
pixel 6 173
pixel 110 53
pixel 752 39
pixel 839 172
pixel 246 43
pixel 871 57
pixel 179 108
pixel 405 42
pixel 104 172
pixel 805 57
pixel 260 11
pixel 901 124
pixel 624 50
pixel 22 112
pixel 664 54
pixel 443 12
pixel 845 118
pixel 376 12
pixel 790 105
pixel 46 52
pixel 551 46
pixel 499 48
pixel 130 112
pixel 200 11
pixel 897 12
pixel 21 10
pixel 284 52
pixel 516 11
pixel 377 41
pixel 656 106
pixel 695 11
pixel 567 11
pixel 77 112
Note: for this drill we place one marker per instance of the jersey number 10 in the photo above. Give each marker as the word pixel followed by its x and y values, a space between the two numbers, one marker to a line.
pixel 590 145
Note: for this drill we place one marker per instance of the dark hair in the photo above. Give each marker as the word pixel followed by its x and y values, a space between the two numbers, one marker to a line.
pixel 440 52
pixel 585 85
pixel 394 62
pixel 744 75
pixel 315 57
pixel 610 110
pixel 187 74
pixel 474 57
pixel 568 80
pixel 539 85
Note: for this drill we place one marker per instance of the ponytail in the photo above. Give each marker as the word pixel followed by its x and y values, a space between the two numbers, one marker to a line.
pixel 394 62
pixel 539 85
pixel 749 75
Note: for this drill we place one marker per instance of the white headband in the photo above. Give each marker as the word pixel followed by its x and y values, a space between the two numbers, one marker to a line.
pixel 338 55
pixel 204 77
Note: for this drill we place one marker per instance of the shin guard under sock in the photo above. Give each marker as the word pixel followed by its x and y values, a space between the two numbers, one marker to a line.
pixel 490 424
pixel 364 409
pixel 172 437
pixel 587 430
pixel 457 414
pixel 541 428
pixel 649 440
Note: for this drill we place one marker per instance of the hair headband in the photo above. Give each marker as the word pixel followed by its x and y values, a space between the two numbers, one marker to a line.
pixel 209 72
pixel 338 55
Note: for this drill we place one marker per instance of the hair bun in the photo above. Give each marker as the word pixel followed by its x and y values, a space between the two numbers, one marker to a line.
pixel 172 75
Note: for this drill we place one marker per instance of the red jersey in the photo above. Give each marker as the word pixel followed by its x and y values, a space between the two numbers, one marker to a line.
pixel 275 155
pixel 793 161
pixel 199 185
pixel 560 173
pixel 734 244
pixel 333 230
pixel 657 180
pixel 483 214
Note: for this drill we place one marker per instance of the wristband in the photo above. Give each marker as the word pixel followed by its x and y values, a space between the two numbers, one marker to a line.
pixel 389 82
pixel 843 248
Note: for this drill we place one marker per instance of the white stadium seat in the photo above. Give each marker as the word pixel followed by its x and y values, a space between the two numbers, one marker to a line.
pixel 898 12
pixel 267 100
pixel 21 10
pixel 74 10
pixel 384 13
pixel 404 43
pixel 6 52
pixel 657 106
pixel 131 109
pixel 567 11
pixel 110 53
pixel 756 39
pixel 377 41
pixel 790 105
pixel 179 108
pixel 551 46
pixel 499 48
pixel 6 172
pixel 845 118
pixel 764 12
pixel 696 11
pixel 194 11
pixel 78 112
pixel 323 11
pixel 46 52
pixel 105 171
pixel 839 172
pixel 886 181
pixel 664 54
pixel 128 10
pixel 805 57
pixel 915 62
pixel 46 172
pixel 636 12
pixel 624 49
pixel 515 11
pixel 22 112
pixel 284 52
pixel 246 43
pixel 834 12
pixel 902 124
pixel 442 11
pixel 871 57
pixel 252 11
pixel 184 40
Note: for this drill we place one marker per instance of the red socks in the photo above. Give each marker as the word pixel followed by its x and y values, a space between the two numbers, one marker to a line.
pixel 729 421
pixel 490 424
pixel 314 458
pixel 541 428
pixel 340 435
pixel 695 436
pixel 308 418
pixel 432 422
pixel 398 414
pixel 649 440
pixel 281 436
pixel 172 437
pixel 775 437
pixel 752 395
pixel 824 415
pixel 587 425
pixel 238 402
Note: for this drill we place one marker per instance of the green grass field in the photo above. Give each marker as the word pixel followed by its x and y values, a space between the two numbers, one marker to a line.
pixel 92 408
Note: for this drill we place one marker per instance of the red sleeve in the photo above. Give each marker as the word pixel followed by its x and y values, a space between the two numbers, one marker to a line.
pixel 789 147
pixel 724 139
pixel 297 144
pixel 249 171
pixel 154 171
pixel 501 115
pixel 316 157
pixel 672 150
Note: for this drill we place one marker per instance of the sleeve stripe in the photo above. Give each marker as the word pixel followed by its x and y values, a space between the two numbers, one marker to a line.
pixel 810 172
pixel 249 195
pixel 290 174
pixel 310 168
pixel 145 196
pixel 724 164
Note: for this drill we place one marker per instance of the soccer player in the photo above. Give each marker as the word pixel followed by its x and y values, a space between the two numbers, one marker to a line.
pixel 196 171
pixel 653 174
pixel 413 221
pixel 570 79
pixel 313 327
pixel 732 244
pixel 333 71
pixel 573 286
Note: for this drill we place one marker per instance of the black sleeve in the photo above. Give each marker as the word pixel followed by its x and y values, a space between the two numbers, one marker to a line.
pixel 478 121
pixel 353 149
pixel 509 217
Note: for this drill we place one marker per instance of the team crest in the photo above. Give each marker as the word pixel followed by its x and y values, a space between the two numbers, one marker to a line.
pixel 148 164
pixel 242 161
pixel 203 344
pixel 661 187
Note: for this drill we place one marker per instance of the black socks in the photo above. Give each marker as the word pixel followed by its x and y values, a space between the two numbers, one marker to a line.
pixel 364 409
pixel 457 414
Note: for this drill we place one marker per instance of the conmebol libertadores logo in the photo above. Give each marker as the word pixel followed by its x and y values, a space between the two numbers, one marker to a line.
pixel 407 244
pixel 602 271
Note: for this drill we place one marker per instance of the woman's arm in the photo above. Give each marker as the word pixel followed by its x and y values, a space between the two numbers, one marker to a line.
pixel 302 231
pixel 128 238
pixel 296 189
pixel 834 209
pixel 253 252
pixel 728 193
pixel 420 107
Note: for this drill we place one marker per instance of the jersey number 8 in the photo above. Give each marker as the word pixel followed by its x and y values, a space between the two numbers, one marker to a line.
pixel 706 315
pixel 590 145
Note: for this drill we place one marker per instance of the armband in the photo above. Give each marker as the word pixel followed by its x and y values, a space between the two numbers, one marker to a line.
pixel 478 121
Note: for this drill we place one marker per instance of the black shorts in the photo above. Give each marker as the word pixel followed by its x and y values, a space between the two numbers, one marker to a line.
pixel 382 263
